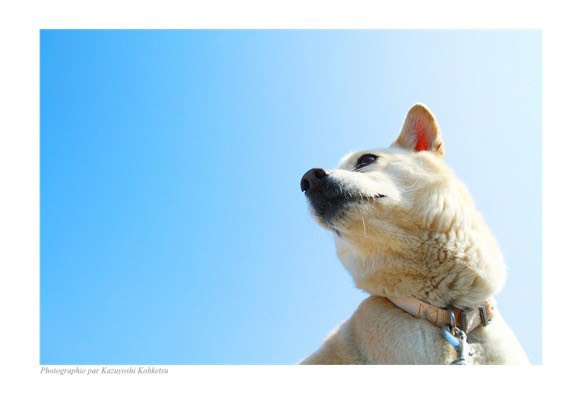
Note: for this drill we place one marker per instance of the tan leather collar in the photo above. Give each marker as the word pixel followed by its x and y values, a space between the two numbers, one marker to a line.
pixel 441 317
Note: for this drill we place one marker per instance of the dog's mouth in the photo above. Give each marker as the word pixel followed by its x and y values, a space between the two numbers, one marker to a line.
pixel 324 200
pixel 375 196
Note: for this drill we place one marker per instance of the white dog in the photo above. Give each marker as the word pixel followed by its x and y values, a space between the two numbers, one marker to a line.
pixel 409 234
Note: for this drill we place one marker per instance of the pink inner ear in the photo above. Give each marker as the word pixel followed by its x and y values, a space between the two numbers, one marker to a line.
pixel 420 129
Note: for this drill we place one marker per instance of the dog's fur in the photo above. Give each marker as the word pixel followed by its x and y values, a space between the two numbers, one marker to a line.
pixel 404 225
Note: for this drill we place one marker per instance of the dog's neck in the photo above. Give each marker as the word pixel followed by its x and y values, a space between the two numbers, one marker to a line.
pixel 443 274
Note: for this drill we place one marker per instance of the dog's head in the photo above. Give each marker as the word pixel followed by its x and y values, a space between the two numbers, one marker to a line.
pixel 404 224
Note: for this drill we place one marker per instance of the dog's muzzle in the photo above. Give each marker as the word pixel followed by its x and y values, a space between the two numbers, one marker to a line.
pixel 329 196
pixel 326 196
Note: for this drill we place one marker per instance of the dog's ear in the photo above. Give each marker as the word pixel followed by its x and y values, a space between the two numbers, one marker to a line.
pixel 421 131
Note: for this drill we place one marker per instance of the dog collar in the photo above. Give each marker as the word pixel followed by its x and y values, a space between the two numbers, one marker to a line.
pixel 464 319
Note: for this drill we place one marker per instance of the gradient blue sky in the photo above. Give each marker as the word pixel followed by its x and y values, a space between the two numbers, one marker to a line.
pixel 173 230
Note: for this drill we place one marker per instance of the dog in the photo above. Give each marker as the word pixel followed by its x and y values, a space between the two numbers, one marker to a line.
pixel 409 234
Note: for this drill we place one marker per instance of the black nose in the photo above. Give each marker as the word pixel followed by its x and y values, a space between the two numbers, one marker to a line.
pixel 313 179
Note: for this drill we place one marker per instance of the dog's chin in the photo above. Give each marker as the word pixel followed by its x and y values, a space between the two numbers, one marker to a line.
pixel 325 219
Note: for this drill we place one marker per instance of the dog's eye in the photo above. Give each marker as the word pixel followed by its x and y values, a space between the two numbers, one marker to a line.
pixel 365 160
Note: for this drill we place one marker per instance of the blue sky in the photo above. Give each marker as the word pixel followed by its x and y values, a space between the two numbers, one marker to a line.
pixel 173 230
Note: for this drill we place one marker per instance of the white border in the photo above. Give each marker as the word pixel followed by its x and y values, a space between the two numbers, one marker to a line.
pixel 19 176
